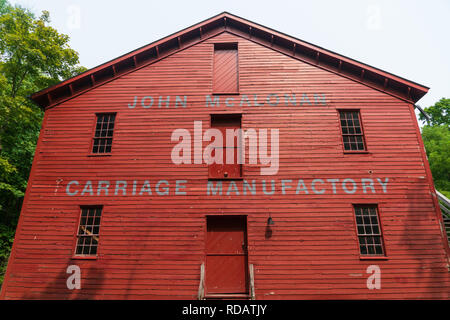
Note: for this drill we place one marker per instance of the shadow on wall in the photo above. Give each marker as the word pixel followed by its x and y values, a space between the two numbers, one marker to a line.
pixel 92 278
pixel 268 233
pixel 422 247
pixel 136 265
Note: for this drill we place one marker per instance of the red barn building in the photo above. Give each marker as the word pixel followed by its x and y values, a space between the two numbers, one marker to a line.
pixel 321 188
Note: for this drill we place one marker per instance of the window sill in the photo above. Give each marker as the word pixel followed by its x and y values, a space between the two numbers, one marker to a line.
pixel 84 257
pixel 356 152
pixel 99 155
pixel 225 93
pixel 237 178
pixel 373 258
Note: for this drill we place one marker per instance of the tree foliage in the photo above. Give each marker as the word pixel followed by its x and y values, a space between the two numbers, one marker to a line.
pixel 33 56
pixel 4 6
pixel 439 113
pixel 436 138
pixel 437 145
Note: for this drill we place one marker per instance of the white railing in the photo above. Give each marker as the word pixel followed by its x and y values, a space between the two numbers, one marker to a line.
pixel 444 203
pixel 252 281
pixel 201 286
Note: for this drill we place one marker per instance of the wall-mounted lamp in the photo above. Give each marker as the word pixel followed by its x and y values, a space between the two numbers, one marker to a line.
pixel 269 225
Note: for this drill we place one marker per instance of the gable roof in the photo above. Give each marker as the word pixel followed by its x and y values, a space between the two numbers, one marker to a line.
pixel 225 22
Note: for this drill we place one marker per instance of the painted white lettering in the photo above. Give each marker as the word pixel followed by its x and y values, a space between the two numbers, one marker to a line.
pixel 146 106
pixel 383 184
pixel 102 185
pixel 313 186
pixel 68 192
pixel 121 185
pixel 367 183
pixel 344 185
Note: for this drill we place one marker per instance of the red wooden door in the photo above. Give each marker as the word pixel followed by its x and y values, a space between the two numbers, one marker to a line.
pixel 225 73
pixel 226 170
pixel 226 255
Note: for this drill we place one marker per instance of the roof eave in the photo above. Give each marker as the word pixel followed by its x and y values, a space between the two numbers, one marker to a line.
pixel 299 49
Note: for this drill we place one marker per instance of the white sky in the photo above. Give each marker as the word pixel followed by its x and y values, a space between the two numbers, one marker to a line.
pixel 407 38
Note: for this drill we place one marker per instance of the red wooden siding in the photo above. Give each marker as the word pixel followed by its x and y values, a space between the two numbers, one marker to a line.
pixel 152 246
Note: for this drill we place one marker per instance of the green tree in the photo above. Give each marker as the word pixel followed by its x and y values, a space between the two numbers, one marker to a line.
pixel 437 145
pixel 439 113
pixel 33 55
pixel 4 5
pixel 436 138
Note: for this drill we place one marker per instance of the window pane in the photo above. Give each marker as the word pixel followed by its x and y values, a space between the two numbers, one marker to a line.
pixel 369 232
pixel 104 132
pixel 88 231
pixel 352 134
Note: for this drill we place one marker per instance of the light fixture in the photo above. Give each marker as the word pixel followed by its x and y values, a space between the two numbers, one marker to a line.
pixel 270 221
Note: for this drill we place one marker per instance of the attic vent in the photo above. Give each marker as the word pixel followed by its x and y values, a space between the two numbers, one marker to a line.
pixel 104 75
pixel 125 65
pixel 146 56
pixel 82 84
